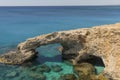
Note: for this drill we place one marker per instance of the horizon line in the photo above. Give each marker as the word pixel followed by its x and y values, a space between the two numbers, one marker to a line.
pixel 51 5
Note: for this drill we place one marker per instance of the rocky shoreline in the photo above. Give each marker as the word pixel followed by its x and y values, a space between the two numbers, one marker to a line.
pixel 100 41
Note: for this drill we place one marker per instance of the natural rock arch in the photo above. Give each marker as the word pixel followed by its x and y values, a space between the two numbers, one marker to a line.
pixel 71 44
pixel 101 41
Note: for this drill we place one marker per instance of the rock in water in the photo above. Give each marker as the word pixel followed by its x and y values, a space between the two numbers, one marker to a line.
pixel 37 76
pixel 60 49
pixel 43 68
pixel 68 77
pixel 34 68
pixel 11 74
pixel 101 41
pixel 56 68
pixel 84 70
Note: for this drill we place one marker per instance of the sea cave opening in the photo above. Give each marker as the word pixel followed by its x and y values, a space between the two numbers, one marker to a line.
pixel 96 61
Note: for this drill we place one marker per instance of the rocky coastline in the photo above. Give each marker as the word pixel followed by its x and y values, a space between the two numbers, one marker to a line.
pixel 77 45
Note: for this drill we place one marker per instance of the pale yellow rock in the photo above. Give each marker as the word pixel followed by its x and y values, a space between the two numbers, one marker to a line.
pixel 102 41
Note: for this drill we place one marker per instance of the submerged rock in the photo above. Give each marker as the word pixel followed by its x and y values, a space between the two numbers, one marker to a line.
pixel 37 76
pixel 34 68
pixel 101 41
pixel 60 49
pixel 27 64
pixel 11 74
pixel 68 77
pixel 43 68
pixel 56 68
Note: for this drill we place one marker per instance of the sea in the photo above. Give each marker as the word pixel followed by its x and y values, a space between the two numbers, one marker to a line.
pixel 19 23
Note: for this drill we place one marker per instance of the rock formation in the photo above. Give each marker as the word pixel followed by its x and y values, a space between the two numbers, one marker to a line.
pixel 101 41
pixel 86 71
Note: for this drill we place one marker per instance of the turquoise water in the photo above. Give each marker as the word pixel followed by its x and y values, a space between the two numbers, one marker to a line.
pixel 20 23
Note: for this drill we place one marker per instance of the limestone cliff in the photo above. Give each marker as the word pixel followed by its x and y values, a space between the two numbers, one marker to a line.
pixel 102 41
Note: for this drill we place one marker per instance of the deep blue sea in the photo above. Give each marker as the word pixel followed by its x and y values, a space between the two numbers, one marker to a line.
pixel 19 23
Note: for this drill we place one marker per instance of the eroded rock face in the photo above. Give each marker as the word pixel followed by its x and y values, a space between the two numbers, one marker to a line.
pixel 102 41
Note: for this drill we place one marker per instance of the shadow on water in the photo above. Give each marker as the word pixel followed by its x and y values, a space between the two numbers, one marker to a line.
pixel 42 59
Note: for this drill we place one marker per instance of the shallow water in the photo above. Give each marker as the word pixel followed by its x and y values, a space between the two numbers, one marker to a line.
pixel 48 55
pixel 20 23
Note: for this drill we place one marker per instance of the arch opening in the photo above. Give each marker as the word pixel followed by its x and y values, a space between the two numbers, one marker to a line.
pixel 49 53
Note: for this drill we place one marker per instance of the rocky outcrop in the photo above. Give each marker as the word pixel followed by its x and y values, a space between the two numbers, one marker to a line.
pixel 101 41
pixel 86 71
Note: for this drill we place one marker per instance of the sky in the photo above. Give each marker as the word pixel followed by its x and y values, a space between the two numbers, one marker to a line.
pixel 57 2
